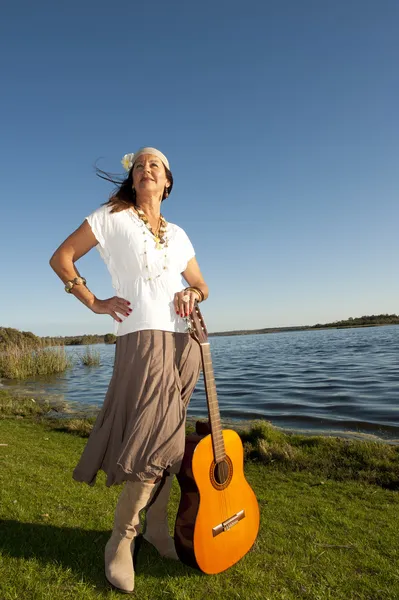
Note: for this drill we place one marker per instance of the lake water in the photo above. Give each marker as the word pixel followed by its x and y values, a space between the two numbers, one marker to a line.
pixel 335 380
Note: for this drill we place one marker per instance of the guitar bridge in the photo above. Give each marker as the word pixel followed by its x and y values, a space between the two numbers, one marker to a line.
pixel 228 524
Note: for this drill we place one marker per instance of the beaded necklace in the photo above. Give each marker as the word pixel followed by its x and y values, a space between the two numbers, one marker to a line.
pixel 161 242
pixel 159 235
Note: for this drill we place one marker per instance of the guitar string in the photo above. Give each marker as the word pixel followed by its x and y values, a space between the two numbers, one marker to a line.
pixel 207 366
pixel 220 474
pixel 223 495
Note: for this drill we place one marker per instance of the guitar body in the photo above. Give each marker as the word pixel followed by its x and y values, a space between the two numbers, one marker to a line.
pixel 218 517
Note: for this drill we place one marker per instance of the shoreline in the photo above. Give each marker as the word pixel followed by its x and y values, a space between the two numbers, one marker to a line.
pixel 62 410
pixel 340 458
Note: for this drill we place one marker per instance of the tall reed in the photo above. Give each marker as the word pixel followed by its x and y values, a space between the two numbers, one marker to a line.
pixel 23 362
pixel 90 358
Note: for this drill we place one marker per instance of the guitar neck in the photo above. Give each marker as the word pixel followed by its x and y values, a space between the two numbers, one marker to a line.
pixel 213 405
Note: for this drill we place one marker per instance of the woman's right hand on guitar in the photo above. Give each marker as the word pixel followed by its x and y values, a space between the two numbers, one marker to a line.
pixel 111 306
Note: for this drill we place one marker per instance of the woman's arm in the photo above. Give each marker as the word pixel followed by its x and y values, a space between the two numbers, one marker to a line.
pixel 79 243
pixel 194 277
pixel 63 260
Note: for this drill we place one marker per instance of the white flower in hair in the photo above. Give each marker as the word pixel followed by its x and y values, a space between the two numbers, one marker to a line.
pixel 127 161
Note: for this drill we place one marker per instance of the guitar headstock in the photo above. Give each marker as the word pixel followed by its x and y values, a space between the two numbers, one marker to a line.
pixel 197 325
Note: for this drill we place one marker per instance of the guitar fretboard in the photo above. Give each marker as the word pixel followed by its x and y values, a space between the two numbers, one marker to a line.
pixel 213 405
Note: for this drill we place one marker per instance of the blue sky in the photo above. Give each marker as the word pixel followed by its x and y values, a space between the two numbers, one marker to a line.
pixel 280 122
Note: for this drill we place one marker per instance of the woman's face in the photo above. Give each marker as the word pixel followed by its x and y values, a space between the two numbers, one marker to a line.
pixel 149 175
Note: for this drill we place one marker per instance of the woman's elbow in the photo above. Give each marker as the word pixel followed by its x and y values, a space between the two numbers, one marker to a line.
pixel 53 261
pixel 58 259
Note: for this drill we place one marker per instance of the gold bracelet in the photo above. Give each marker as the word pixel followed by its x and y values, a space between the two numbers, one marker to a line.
pixel 197 291
pixel 77 281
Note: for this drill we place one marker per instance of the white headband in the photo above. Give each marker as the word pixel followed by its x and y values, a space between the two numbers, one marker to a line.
pixel 129 159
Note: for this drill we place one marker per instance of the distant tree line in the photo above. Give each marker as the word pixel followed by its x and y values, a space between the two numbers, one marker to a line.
pixel 366 320
pixel 14 337
pixel 81 340
pixel 27 339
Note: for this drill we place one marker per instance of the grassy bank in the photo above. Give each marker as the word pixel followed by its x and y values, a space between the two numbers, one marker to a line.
pixel 328 530
pixel 327 457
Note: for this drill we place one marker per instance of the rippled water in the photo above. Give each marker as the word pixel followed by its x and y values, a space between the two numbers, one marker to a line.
pixel 328 380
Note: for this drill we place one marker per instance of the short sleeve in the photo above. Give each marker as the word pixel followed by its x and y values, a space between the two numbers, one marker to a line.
pixel 97 223
pixel 186 248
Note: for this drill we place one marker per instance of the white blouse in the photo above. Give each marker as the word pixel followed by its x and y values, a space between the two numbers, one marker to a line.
pixel 146 276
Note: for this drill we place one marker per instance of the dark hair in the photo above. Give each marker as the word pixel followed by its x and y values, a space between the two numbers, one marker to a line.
pixel 124 195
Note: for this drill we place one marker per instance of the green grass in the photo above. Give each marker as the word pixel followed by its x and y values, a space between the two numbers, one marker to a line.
pixel 330 457
pixel 54 414
pixel 12 405
pixel 326 457
pixel 320 539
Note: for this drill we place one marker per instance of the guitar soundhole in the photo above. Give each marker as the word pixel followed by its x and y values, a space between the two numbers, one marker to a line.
pixel 221 473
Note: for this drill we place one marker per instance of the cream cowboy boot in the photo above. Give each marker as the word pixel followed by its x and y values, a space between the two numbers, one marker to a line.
pixel 157 529
pixel 119 568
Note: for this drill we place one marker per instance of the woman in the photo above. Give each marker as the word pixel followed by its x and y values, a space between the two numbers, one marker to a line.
pixel 139 433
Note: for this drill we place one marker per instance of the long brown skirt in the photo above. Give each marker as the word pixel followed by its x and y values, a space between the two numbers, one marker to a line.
pixel 140 430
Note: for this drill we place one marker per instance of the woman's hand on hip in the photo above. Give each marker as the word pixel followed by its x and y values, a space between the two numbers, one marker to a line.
pixel 111 306
pixel 184 302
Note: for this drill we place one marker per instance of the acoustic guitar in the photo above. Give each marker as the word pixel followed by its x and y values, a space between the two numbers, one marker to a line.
pixel 218 517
